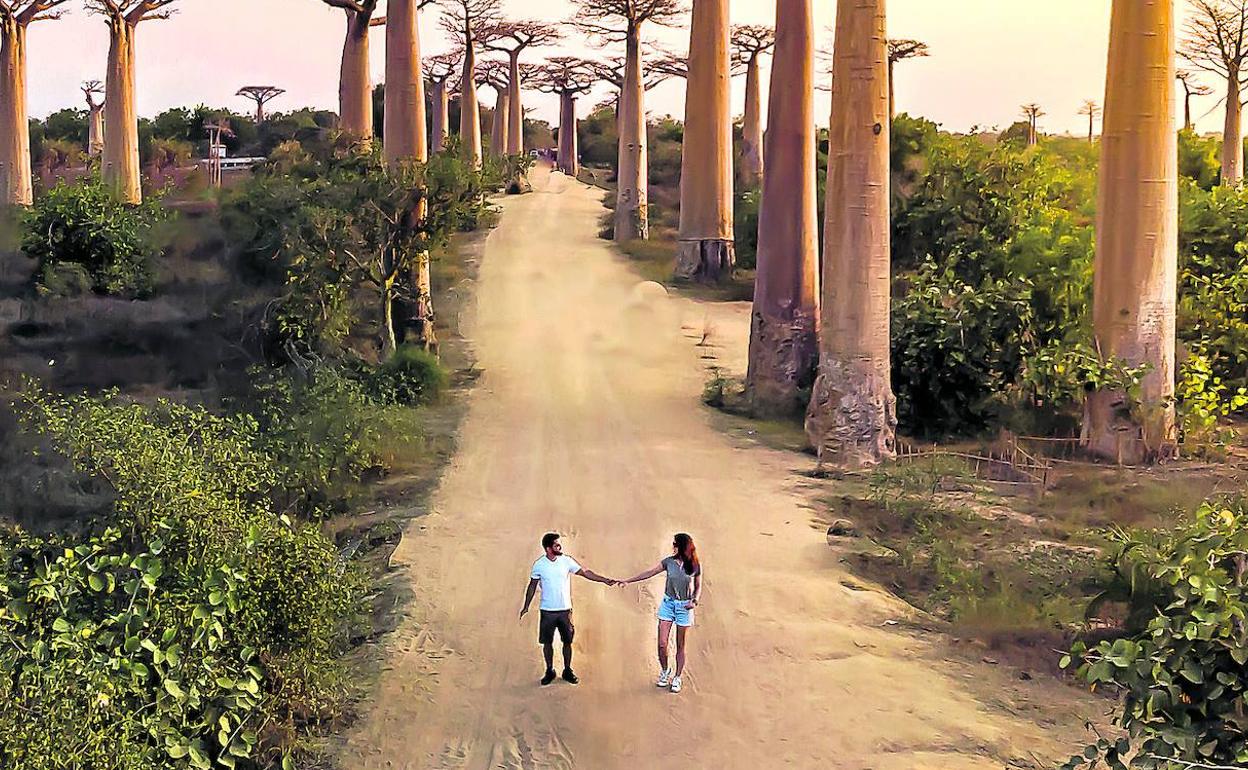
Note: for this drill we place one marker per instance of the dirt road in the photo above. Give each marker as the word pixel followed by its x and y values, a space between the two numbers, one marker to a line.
pixel 586 421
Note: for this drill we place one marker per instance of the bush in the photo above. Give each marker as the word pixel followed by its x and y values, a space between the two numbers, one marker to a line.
pixel 196 627
pixel 411 376
pixel 745 225
pixel 85 224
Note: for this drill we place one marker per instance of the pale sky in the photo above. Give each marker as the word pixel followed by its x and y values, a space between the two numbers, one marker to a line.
pixel 988 57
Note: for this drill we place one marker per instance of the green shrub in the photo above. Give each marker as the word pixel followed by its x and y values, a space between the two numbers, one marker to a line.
pixel 196 627
pixel 1204 402
pixel 86 224
pixel 745 225
pixel 411 376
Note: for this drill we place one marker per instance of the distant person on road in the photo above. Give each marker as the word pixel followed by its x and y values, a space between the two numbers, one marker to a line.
pixel 553 572
pixel 680 597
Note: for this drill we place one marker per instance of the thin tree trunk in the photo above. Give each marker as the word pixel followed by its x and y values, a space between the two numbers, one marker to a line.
pixel 1233 135
pixel 15 163
pixel 1091 127
pixel 752 127
pixel 95 131
pixel 852 415
pixel 515 109
pixel 404 113
pixel 441 115
pixel 632 214
pixel 500 130
pixel 469 110
pixel 569 163
pixel 121 141
pixel 355 91
pixel 892 91
pixel 1187 110
pixel 707 252
pixel 784 348
pixel 1135 284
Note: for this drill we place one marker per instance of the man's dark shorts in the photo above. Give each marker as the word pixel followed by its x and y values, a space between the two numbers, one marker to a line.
pixel 551 620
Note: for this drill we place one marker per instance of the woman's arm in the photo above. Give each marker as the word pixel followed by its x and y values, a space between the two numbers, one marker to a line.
pixel 697 587
pixel 645 575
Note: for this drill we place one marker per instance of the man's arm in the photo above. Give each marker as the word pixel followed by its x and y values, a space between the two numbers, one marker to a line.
pixel 594 576
pixel 528 595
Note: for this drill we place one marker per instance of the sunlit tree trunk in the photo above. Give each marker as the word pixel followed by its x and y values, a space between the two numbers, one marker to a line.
pixel 15 171
pixel 569 163
pixel 404 113
pixel 121 142
pixel 95 130
pixel 469 110
pixel 441 115
pixel 784 347
pixel 752 126
pixel 355 89
pixel 500 130
pixel 1233 135
pixel 632 216
pixel 1135 285
pixel 515 108
pixel 851 420
pixel 707 252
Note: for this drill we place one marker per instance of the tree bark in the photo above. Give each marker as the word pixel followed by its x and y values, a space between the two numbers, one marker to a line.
pixel 569 163
pixel 851 420
pixel 632 204
pixel 515 109
pixel 500 129
pixel 469 110
pixel 121 142
pixel 441 115
pixel 1187 111
pixel 892 90
pixel 355 90
pixel 15 165
pixel 95 130
pixel 752 127
pixel 1233 135
pixel 784 348
pixel 404 115
pixel 707 252
pixel 1135 285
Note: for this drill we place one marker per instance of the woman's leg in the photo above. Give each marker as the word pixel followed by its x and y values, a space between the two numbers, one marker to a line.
pixel 680 649
pixel 665 633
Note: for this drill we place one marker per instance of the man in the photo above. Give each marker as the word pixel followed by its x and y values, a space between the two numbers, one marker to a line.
pixel 553 571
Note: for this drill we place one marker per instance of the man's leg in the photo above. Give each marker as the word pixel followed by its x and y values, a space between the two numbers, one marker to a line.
pixel 548 650
pixel 567 656
pixel 566 632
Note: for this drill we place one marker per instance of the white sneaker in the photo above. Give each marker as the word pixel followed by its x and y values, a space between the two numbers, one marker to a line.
pixel 665 678
pixel 675 684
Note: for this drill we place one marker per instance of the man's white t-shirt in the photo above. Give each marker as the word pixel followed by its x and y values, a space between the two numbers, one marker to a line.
pixel 556 577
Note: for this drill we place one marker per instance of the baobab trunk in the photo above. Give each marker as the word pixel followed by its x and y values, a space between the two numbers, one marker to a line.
pixel 1233 136
pixel 121 142
pixel 95 130
pixel 1134 286
pixel 784 347
pixel 851 419
pixel 15 172
pixel 892 90
pixel 632 217
pixel 569 163
pixel 355 91
pixel 515 110
pixel 469 110
pixel 499 130
pixel 707 252
pixel 441 115
pixel 404 113
pixel 752 127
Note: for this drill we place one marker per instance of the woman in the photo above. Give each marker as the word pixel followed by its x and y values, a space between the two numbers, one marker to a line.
pixel 680 596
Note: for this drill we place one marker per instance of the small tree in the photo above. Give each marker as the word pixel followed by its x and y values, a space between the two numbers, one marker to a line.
pixel 261 95
pixel 438 71
pixel 514 38
pixel 900 50
pixel 749 44
pixel 1092 110
pixel 1216 41
pixel 16 180
pixel 95 117
pixel 1033 113
pixel 1190 88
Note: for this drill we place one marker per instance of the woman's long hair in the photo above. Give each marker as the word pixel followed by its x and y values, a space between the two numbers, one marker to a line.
pixel 687 552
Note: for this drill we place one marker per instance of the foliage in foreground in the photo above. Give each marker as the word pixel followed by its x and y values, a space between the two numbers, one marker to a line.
pixel 196 627
pixel 1182 678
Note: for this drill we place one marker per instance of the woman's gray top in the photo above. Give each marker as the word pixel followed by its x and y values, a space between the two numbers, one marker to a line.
pixel 679 582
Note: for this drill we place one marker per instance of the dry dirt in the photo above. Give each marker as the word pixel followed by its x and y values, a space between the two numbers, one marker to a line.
pixel 586 420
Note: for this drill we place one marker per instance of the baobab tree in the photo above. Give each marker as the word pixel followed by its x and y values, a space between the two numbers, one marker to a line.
pixel 1190 88
pixel 16 176
pixel 707 251
pixel 438 71
pixel 404 114
pixel 261 95
pixel 569 77
pixel 1135 286
pixel 852 414
pixel 1033 113
pixel 749 43
pixel 622 21
pixel 355 87
pixel 121 139
pixel 900 50
pixel 1093 111
pixel 95 117
pixel 1216 41
pixel 514 38
pixel 784 347
pixel 468 20
pixel 495 75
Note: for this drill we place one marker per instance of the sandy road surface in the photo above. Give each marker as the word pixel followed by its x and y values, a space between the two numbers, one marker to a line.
pixel 586 421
